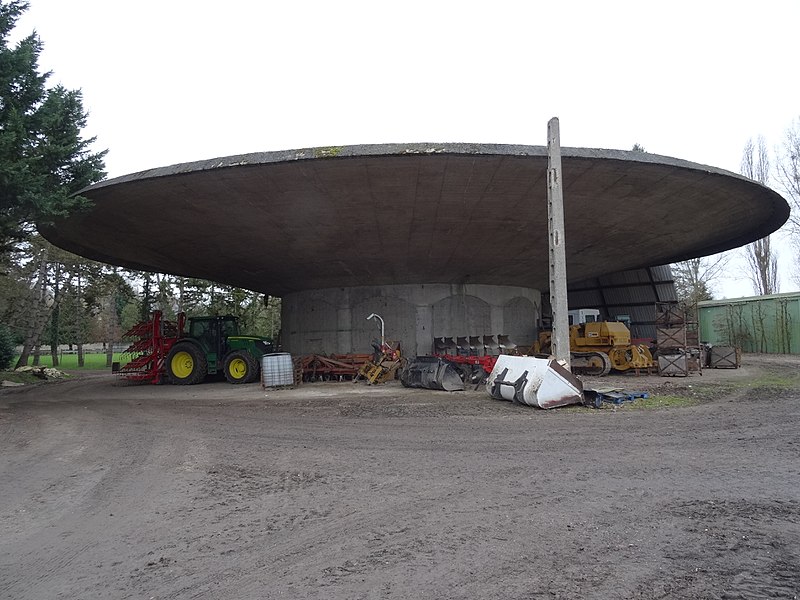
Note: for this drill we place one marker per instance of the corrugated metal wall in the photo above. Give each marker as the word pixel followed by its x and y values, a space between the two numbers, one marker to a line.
pixel 769 324
pixel 633 293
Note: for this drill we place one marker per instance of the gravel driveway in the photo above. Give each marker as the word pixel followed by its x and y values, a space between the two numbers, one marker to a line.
pixel 343 491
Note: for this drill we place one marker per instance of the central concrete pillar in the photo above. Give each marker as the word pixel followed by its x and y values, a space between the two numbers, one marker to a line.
pixel 496 316
pixel 334 320
pixel 344 330
pixel 424 330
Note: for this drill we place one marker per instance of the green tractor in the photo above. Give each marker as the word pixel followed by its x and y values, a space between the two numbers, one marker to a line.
pixel 212 344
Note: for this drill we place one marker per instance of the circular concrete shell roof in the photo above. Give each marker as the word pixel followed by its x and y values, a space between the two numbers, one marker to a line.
pixel 280 222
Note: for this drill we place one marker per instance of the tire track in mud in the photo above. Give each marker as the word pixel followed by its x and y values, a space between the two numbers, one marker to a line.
pixel 215 497
pixel 737 548
pixel 297 543
pixel 86 492
pixel 51 443
pixel 277 532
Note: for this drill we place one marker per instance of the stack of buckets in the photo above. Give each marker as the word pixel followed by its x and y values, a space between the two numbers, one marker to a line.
pixel 277 370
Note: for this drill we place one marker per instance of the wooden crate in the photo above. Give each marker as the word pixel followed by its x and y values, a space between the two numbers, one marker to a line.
pixel 668 313
pixel 673 365
pixel 725 357
pixel 670 337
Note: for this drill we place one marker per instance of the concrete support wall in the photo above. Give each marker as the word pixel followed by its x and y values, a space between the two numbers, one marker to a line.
pixel 334 320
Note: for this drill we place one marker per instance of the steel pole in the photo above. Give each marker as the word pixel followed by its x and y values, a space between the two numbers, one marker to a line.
pixel 383 336
pixel 558 259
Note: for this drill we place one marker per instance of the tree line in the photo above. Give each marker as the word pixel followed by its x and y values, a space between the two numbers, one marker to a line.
pixel 49 297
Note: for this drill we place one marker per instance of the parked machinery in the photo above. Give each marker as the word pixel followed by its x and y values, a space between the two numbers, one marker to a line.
pixel 383 364
pixel 212 344
pixel 166 350
pixel 597 346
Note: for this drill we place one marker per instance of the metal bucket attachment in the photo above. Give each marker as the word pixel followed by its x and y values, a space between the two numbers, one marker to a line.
pixel 431 373
pixel 533 381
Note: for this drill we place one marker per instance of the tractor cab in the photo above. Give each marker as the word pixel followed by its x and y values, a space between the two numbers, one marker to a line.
pixel 583 315
pixel 212 334
pixel 213 344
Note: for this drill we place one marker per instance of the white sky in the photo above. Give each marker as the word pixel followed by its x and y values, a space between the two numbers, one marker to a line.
pixel 172 81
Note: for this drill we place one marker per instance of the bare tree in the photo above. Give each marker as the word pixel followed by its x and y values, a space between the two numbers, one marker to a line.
pixel 762 261
pixel 755 160
pixel 762 267
pixel 787 173
pixel 694 278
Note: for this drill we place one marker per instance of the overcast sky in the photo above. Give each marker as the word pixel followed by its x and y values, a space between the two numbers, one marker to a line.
pixel 172 81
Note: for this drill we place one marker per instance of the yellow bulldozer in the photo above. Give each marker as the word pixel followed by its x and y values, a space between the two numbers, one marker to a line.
pixel 596 347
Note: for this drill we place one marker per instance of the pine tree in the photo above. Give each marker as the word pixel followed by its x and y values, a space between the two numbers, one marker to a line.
pixel 43 158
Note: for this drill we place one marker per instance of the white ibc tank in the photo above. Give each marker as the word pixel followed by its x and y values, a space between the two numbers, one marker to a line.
pixel 277 370
pixel 533 381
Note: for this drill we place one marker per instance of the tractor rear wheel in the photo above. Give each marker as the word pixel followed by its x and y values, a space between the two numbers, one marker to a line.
pixel 241 367
pixel 186 364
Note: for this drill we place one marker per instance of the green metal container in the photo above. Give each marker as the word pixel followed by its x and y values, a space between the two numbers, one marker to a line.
pixel 762 324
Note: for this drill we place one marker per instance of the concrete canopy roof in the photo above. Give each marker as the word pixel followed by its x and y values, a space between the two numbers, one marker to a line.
pixel 384 214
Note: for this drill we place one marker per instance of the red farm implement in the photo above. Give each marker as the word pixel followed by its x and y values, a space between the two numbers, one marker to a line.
pixel 335 367
pixel 151 341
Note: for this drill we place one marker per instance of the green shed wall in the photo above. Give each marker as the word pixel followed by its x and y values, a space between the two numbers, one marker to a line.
pixel 769 324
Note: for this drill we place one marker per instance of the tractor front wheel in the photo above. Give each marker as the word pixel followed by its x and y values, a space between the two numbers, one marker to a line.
pixel 241 367
pixel 186 364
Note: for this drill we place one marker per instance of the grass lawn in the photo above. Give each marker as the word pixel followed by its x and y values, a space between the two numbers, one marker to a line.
pixel 69 362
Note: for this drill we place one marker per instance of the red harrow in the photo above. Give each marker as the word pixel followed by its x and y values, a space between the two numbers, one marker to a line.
pixel 473 369
pixel 152 341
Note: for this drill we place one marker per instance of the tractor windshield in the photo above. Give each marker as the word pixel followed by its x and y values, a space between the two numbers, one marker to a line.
pixel 228 328
pixel 200 329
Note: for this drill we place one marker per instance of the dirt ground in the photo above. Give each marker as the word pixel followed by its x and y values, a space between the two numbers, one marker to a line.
pixel 347 491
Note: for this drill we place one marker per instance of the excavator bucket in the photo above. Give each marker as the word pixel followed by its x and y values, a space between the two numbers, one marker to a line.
pixel 431 373
pixel 533 381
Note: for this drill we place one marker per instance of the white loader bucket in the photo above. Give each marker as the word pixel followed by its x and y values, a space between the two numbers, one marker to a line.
pixel 533 381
